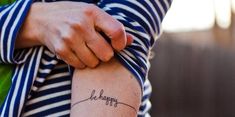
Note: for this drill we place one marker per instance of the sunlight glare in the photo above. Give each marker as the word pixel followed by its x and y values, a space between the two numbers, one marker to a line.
pixel 190 15
pixel 223 13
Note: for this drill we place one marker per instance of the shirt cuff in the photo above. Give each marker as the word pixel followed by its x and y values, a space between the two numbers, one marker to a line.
pixel 11 19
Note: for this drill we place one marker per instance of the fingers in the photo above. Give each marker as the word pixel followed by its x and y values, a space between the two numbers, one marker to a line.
pixel 74 39
pixel 100 47
pixel 78 42
pixel 112 28
pixel 84 53
pixel 66 54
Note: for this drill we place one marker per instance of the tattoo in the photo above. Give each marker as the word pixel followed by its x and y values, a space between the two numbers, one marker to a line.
pixel 109 101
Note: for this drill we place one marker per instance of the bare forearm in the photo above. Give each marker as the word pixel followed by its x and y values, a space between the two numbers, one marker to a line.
pixel 108 90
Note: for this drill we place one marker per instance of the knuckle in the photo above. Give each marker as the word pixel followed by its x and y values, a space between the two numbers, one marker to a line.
pixel 94 64
pixel 108 56
pixel 90 61
pixel 60 50
pixel 118 35
pixel 118 31
pixel 91 41
pixel 79 25
pixel 80 65
pixel 89 10
pixel 77 63
pixel 67 37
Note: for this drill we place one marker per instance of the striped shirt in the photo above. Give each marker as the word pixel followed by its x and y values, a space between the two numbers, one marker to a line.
pixel 41 84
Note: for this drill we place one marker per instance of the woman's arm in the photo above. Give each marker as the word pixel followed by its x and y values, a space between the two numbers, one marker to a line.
pixel 142 19
pixel 69 28
pixel 109 90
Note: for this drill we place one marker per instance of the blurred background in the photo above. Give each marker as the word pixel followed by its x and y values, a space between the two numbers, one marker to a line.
pixel 193 70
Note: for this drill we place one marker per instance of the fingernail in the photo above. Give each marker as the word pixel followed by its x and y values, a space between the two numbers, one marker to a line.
pixel 129 39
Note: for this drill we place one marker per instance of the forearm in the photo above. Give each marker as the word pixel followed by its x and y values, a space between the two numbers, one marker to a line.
pixel 108 90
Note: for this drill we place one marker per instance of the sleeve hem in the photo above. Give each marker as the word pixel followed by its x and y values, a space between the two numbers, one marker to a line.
pixel 12 23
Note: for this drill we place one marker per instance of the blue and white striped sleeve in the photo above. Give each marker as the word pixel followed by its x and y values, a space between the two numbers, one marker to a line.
pixel 11 19
pixel 142 19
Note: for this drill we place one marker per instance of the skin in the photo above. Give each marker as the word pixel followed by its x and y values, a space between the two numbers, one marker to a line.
pixel 77 34
pixel 116 82
pixel 77 41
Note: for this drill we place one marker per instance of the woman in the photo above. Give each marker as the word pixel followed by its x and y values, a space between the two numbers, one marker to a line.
pixel 61 33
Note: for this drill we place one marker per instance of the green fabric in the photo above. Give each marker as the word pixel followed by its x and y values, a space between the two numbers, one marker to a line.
pixel 5 80
pixel 4 2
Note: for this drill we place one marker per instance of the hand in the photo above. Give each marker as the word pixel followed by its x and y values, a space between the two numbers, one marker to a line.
pixel 71 31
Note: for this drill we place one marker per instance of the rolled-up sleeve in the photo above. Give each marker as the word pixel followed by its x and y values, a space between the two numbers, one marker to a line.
pixel 11 18
pixel 142 19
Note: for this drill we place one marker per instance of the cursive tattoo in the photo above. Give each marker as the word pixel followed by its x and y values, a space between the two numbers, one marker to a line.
pixel 109 101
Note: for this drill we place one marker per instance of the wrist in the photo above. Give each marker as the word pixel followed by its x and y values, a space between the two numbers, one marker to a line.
pixel 29 35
